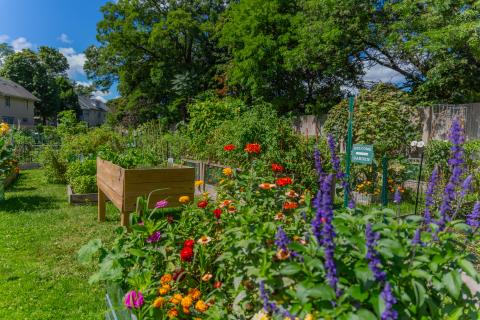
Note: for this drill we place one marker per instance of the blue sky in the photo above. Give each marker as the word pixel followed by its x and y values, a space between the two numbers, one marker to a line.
pixel 69 25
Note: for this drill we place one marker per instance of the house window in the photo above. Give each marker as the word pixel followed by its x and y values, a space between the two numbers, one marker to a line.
pixel 7 101
pixel 25 119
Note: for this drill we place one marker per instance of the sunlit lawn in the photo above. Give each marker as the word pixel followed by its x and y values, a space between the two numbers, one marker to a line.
pixel 40 234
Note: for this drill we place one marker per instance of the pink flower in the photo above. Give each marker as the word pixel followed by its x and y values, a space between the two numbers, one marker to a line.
pixel 161 204
pixel 133 299
pixel 154 237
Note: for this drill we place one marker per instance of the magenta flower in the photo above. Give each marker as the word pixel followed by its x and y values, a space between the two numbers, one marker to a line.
pixel 161 204
pixel 154 237
pixel 133 299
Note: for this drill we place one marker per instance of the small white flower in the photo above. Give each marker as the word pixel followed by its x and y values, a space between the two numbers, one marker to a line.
pixel 421 144
pixel 413 143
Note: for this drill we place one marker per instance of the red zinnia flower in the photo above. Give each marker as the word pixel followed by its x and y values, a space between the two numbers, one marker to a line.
pixel 217 212
pixel 229 147
pixel 277 167
pixel 253 148
pixel 217 284
pixel 284 181
pixel 186 253
pixel 290 205
pixel 202 204
pixel 189 243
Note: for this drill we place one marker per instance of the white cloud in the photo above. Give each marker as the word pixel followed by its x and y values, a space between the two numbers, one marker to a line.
pixel 84 83
pixel 379 73
pixel 100 95
pixel 21 43
pixel 4 38
pixel 64 38
pixel 75 60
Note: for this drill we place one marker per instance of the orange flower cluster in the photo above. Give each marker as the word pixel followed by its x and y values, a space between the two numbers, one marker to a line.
pixel 178 303
pixel 290 205
pixel 282 182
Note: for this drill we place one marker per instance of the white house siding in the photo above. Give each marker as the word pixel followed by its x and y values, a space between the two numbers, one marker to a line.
pixel 19 112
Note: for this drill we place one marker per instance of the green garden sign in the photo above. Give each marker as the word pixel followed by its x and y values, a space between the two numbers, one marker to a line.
pixel 362 153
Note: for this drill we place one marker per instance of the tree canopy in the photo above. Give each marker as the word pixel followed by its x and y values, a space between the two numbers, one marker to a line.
pixel 298 55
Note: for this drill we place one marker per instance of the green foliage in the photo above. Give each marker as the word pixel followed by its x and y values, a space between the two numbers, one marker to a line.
pixel 54 166
pixel 382 117
pixel 69 125
pixel 436 154
pixel 81 175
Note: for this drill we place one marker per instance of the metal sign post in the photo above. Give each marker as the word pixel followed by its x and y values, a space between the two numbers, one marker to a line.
pixel 351 103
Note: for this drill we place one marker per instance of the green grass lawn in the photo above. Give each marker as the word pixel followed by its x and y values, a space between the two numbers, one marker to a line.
pixel 40 234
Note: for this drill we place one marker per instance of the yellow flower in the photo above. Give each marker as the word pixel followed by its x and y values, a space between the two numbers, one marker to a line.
pixel 201 306
pixel 159 302
pixel 184 199
pixel 172 313
pixel 4 128
pixel 308 317
pixel 227 171
pixel 198 183
pixel 194 293
pixel 164 289
pixel 186 301
pixel 177 297
pixel 166 278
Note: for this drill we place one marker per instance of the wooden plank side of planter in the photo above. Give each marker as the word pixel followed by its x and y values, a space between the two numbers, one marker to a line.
pixel 81 198
pixel 110 180
pixel 140 182
pixel 112 195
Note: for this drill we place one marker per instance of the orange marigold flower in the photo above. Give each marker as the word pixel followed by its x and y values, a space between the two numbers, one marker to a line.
pixel 164 289
pixel 198 183
pixel 159 302
pixel 184 199
pixel 166 278
pixel 227 171
pixel 172 313
pixel 225 203
pixel 290 205
pixel 177 297
pixel 231 209
pixel 267 186
pixel 253 148
pixel 201 306
pixel 187 301
pixel 194 293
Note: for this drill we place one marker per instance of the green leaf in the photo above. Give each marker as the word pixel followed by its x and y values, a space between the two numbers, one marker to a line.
pixel 363 273
pixel 418 273
pixel 366 315
pixel 137 252
pixel 453 283
pixel 420 292
pixel 291 269
pixel 86 252
pixel 468 268
pixel 321 291
pixel 357 293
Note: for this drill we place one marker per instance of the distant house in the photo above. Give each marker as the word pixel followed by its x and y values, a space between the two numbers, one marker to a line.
pixel 16 104
pixel 94 112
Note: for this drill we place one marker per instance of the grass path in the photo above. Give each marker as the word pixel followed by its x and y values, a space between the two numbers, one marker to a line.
pixel 40 234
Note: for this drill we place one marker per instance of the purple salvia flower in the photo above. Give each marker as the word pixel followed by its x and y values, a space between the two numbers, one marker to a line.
pixel 473 218
pixel 334 158
pixel 328 234
pixel 154 237
pixel 429 201
pixel 397 197
pixel 281 239
pixel 319 219
pixel 417 238
pixel 372 255
pixel 351 203
pixel 389 299
pixel 456 163
pixel 466 186
pixel 271 306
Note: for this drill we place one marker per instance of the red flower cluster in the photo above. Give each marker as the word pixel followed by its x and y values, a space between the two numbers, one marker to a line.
pixel 202 204
pixel 253 148
pixel 186 254
pixel 290 205
pixel 229 147
pixel 218 213
pixel 282 182
pixel 277 167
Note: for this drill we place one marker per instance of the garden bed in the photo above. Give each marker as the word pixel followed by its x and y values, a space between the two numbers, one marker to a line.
pixel 81 198
pixel 124 186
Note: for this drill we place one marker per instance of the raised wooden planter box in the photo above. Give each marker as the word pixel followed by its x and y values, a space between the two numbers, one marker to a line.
pixel 124 186
pixel 81 198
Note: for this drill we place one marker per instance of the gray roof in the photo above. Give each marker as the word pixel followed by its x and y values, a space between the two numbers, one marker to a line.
pixel 87 103
pixel 12 89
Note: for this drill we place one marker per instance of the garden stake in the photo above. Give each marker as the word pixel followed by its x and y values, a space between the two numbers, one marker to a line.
pixel 418 182
pixel 349 147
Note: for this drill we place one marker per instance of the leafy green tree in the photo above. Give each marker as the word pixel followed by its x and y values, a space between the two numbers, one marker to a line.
pixel 292 53
pixel 149 46
pixel 434 44
pixel 5 51
pixel 55 62
pixel 68 95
